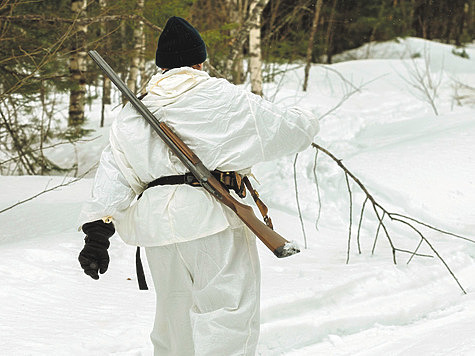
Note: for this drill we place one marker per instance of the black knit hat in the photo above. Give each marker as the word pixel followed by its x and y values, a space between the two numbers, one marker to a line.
pixel 179 45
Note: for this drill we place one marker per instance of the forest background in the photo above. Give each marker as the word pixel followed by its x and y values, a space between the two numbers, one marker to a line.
pixel 44 67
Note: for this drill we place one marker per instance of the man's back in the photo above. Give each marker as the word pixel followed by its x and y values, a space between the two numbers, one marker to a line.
pixel 225 126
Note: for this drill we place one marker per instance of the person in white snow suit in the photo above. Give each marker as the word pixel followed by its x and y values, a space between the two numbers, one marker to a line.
pixel 202 258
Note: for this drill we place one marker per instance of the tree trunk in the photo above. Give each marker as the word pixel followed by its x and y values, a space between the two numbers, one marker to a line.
pixel 243 32
pixel 132 81
pixel 123 74
pixel 255 61
pixel 143 78
pixel 318 7
pixel 106 83
pixel 329 34
pixel 462 25
pixel 77 67
pixel 236 11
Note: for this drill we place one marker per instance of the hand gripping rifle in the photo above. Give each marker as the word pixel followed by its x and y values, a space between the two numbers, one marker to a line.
pixel 276 243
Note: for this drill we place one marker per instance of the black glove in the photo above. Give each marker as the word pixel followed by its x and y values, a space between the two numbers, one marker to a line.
pixel 94 257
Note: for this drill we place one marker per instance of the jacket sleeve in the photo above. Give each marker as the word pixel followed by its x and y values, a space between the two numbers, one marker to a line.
pixel 281 130
pixel 111 193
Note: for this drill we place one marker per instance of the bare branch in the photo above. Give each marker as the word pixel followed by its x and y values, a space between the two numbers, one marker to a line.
pixel 359 225
pixel 80 21
pixel 377 232
pixel 47 147
pixel 298 202
pixel 63 184
pixel 351 219
pixel 434 250
pixel 318 190
pixel 349 95
pixel 432 227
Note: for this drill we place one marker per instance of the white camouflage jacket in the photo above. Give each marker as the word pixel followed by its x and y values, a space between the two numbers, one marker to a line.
pixel 227 127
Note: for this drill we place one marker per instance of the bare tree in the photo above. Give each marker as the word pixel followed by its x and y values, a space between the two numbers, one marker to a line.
pixel 77 67
pixel 313 31
pixel 132 81
pixel 424 83
pixel 106 83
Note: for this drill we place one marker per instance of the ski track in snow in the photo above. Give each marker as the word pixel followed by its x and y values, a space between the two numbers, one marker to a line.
pixel 412 161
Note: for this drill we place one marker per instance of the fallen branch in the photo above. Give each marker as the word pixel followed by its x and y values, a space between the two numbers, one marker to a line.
pixel 395 217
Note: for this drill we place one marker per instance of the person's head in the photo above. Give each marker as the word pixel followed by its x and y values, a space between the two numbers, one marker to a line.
pixel 180 45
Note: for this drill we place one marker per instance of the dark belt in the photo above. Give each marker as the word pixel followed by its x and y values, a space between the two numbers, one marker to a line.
pixel 229 180
pixel 187 178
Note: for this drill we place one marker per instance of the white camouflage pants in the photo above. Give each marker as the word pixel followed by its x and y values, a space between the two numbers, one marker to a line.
pixel 208 293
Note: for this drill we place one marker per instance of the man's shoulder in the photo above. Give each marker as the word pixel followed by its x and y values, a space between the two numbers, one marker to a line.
pixel 126 118
pixel 221 87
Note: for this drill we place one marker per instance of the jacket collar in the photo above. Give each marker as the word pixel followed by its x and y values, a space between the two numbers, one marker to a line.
pixel 176 81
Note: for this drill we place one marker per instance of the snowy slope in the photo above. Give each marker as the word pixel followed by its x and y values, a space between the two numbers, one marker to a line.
pixel 412 161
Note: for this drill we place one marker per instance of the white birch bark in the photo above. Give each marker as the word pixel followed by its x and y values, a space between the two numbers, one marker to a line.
pixel 243 32
pixel 255 60
pixel 132 80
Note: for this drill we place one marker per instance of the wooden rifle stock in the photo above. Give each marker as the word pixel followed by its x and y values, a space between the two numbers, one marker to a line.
pixel 276 243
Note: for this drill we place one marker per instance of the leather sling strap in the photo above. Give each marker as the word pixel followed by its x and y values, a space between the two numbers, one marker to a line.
pixel 260 204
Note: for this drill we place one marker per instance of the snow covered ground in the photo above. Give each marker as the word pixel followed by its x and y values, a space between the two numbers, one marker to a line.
pixel 411 160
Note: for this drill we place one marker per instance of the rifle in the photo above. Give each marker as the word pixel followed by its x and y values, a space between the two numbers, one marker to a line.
pixel 276 243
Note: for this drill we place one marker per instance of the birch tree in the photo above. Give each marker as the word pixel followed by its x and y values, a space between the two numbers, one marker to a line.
pixel 77 67
pixel 243 33
pixel 255 61
pixel 237 10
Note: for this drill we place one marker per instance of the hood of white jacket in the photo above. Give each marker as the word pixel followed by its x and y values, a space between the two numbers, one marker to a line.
pixel 175 82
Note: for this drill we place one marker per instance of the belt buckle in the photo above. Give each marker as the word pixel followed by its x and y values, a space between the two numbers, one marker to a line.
pixel 189 178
